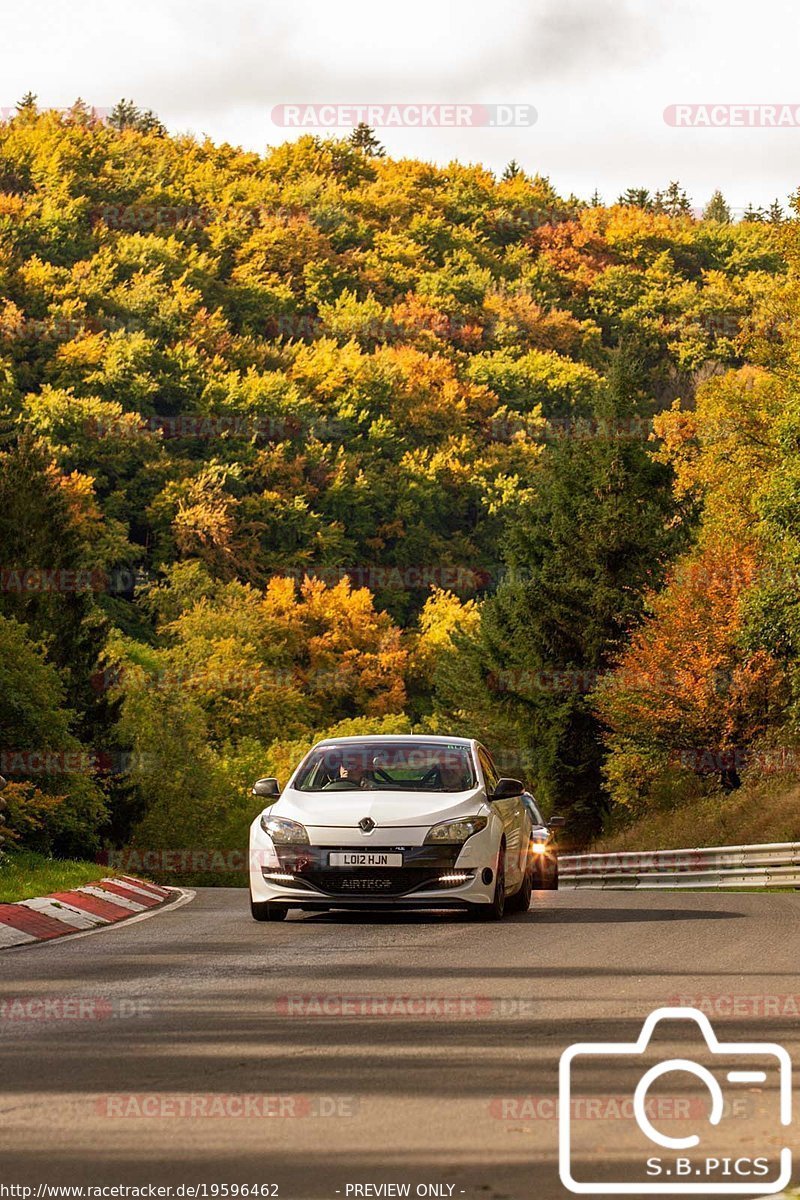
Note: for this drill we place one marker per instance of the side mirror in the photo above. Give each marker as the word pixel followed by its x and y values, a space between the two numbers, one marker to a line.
pixel 556 822
pixel 507 788
pixel 269 789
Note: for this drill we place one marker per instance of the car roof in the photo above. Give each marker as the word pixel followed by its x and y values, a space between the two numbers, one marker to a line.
pixel 399 737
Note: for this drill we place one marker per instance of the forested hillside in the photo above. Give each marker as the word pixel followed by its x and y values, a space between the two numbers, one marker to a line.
pixel 317 441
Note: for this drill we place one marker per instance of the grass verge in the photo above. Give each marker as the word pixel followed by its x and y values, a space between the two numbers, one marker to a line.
pixel 24 874
pixel 752 815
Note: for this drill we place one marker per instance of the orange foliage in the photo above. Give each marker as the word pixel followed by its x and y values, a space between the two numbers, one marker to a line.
pixel 428 326
pixel 573 248
pixel 350 648
pixel 685 683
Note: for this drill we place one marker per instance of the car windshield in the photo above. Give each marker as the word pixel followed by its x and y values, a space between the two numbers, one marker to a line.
pixel 395 766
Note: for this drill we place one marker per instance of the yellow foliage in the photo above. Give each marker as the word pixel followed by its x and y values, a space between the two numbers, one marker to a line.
pixel 725 449
pixel 443 614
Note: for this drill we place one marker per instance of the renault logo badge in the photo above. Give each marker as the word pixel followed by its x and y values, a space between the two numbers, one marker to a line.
pixel 366 824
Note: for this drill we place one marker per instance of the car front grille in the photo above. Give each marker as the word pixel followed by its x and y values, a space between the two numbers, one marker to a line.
pixel 365 882
pixel 423 868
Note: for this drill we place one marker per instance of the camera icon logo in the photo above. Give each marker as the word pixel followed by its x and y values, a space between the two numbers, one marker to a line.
pixel 706 1160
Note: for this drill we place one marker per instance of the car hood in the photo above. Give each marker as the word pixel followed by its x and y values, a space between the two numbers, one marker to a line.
pixel 394 809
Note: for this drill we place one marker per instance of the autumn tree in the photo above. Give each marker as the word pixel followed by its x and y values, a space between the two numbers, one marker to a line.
pixel 127 115
pixel 364 139
pixel 636 197
pixel 673 201
pixel 686 693
pixel 28 103
pixel 53 802
pixel 717 209
pixel 598 530
pixel 48 580
pixel 443 618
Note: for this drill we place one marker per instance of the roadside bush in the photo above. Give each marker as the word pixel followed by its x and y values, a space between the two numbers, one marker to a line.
pixel 28 816
pixel 48 806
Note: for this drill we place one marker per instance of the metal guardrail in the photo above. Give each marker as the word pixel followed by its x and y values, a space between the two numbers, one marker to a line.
pixel 775 865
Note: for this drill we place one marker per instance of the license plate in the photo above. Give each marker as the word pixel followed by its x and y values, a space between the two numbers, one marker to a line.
pixel 364 858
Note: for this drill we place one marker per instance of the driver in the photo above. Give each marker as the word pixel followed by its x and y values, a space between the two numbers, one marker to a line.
pixel 352 769
pixel 331 766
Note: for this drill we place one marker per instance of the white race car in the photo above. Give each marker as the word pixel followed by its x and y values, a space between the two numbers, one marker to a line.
pixel 398 821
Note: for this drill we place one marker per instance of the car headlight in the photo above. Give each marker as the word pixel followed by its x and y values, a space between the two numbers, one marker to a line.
pixel 454 831
pixel 284 832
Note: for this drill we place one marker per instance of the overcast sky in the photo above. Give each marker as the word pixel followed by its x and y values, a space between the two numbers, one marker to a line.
pixel 599 72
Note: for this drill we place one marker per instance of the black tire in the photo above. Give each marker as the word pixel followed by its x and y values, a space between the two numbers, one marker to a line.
pixel 268 910
pixel 520 902
pixel 496 910
pixel 545 875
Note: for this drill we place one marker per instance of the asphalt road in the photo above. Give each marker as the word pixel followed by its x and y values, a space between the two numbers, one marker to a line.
pixel 203 1006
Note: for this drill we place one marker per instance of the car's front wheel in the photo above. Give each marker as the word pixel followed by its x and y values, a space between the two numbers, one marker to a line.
pixel 268 910
pixel 495 910
pixel 521 900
